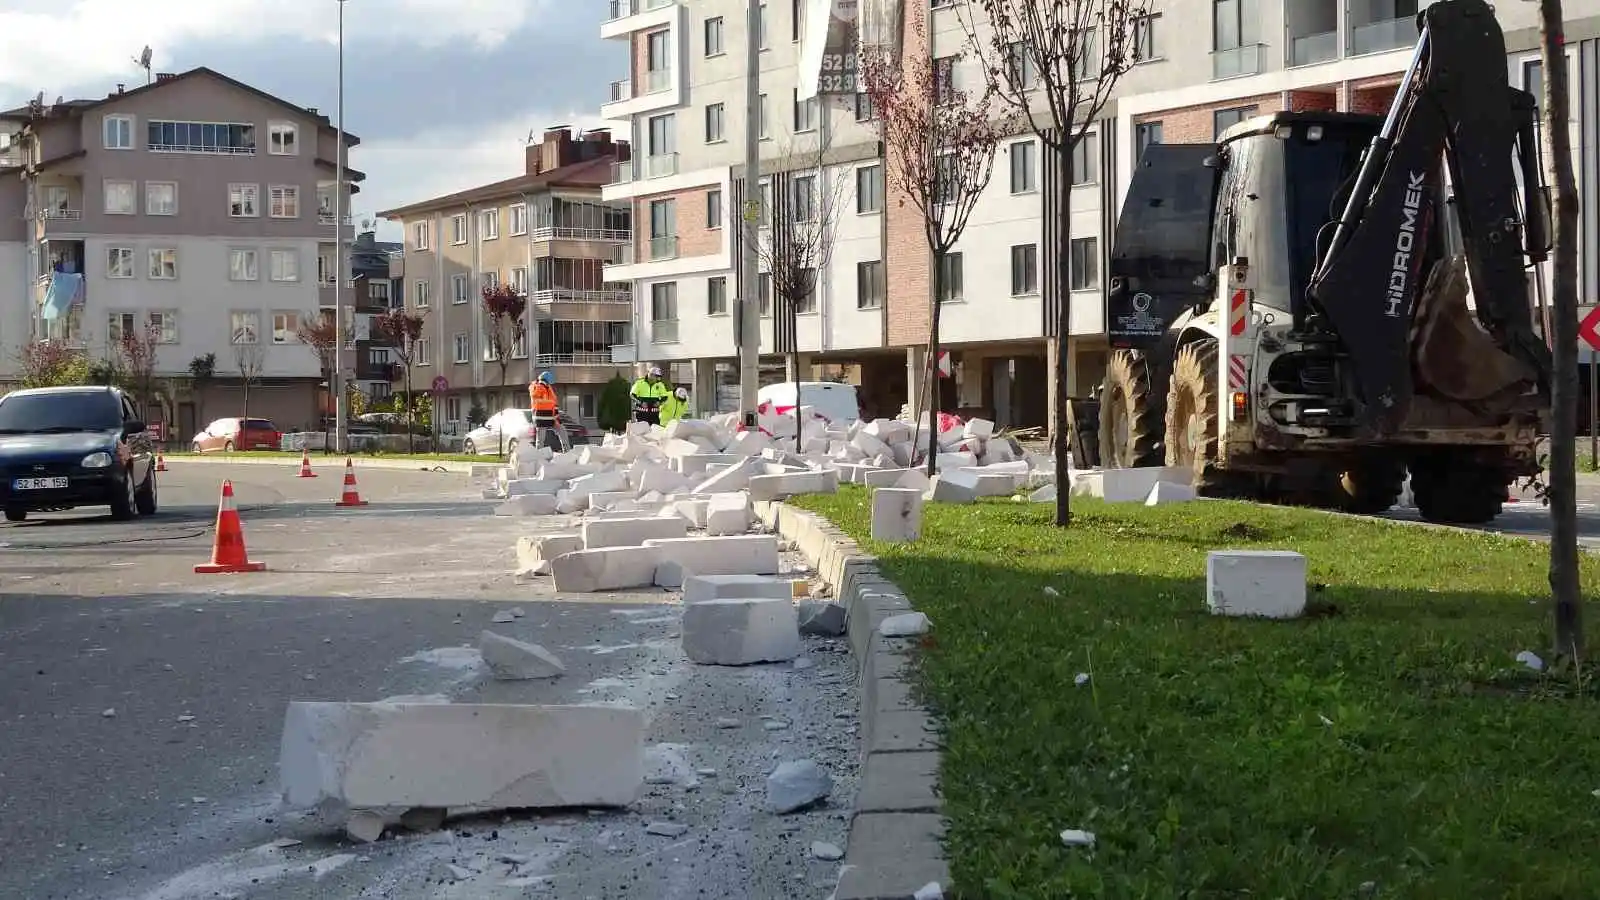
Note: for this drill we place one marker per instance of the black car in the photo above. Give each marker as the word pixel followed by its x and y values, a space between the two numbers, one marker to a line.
pixel 66 447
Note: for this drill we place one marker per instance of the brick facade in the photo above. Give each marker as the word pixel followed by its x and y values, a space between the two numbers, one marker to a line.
pixel 907 264
pixel 695 238
pixel 640 51
pixel 1197 124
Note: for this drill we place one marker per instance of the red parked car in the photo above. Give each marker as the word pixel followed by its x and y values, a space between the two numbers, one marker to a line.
pixel 228 435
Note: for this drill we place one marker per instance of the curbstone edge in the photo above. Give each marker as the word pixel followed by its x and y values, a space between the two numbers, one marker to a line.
pixel 414 465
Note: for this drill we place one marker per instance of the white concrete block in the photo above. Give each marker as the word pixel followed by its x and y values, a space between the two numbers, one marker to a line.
pixel 670 574
pixel 979 428
pixel 1267 583
pixel 1133 485
pixel 733 478
pixel 700 588
pixel 516 487
pixel 1045 494
pixel 692 511
pixel 890 431
pixel 776 487
pixel 749 443
pixel 1165 492
pixel 690 466
pixel 562 470
pixel 728 514
pixel 598 456
pixel 472 756
pixel 630 532
pixel 534 552
pixel 741 631
pixel 606 569
pixel 956 460
pixel 598 483
pixel 750 554
pixel 603 500
pixel 994 484
pixel 882 478
pixel 896 514
pixel 687 429
pixel 681 448
pixel 509 659
pixel 661 480
pixel 528 505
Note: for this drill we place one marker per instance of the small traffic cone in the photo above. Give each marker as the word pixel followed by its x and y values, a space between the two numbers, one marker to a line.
pixel 305 464
pixel 351 496
pixel 161 461
pixel 227 550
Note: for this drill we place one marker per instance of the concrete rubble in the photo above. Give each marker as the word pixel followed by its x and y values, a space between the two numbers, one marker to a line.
pixel 512 660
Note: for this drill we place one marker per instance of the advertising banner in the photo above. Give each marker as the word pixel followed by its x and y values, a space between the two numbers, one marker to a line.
pixel 828 49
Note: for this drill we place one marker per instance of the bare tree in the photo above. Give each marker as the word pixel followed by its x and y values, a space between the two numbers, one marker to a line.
pixel 800 214
pixel 939 147
pixel 402 329
pixel 319 331
pixel 1563 488
pixel 248 361
pixel 1057 63
pixel 136 348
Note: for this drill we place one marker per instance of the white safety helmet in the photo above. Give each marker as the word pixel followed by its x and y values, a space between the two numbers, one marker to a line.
pixel 681 394
pixel 655 371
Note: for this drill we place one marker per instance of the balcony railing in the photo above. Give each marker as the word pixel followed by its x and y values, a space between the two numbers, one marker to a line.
pixel 621 172
pixel 577 295
pixel 623 8
pixel 557 232
pixel 621 90
pixel 1237 62
pixel 587 358
pixel 664 247
pixel 60 214
pixel 11 157
pixel 658 80
pixel 664 331
pixel 1314 48
pixel 327 218
pixel 1385 34
pixel 661 165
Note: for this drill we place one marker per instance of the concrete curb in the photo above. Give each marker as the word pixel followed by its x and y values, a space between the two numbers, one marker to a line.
pixel 896 831
pixel 317 462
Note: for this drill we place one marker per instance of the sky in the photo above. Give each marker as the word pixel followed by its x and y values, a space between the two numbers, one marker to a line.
pixel 442 93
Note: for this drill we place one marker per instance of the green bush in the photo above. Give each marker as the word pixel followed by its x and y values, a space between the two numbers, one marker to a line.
pixel 616 407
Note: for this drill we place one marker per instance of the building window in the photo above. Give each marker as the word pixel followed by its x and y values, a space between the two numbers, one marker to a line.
pixel 519 344
pixel 458 229
pixel 763 111
pixel 458 289
pixel 463 348
pixel 245 327
pixel 119 262
pixel 519 279
pixel 950 290
pixel 283 202
pixel 803 197
pixel 489 224
pixel 717 296
pixel 452 409
pixel 242 265
pixel 714 36
pixel 227 138
pixel 764 293
pixel 283 138
pixel 797 24
pixel 1223 119
pixel 490 280
pixel 664 312
pixel 663 229
pixel 325 269
pixel 164 325
pixel 419 235
pixel 1145 134
pixel 244 201
pixel 1019 62
pixel 285 327
pixel 714 208
pixel 119 326
pixel 869 284
pixel 761 25
pixel 423 352
pixel 1227 24
pixel 865 112
pixel 944 79
pixel 419 294
pixel 869 189
pixel 285 265
pixel 163 263
pixel 1083 159
pixel 1024 171
pixel 715 114
pixel 1024 269
pixel 160 198
pixel 1144 37
pixel 121 198
pixel 117 132
pixel 1085 272
pixel 519 219
pixel 805 113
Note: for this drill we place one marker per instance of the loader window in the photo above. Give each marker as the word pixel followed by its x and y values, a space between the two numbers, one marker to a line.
pixel 1319 177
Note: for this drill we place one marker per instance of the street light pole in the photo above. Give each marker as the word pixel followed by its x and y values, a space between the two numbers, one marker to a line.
pixel 749 265
pixel 336 383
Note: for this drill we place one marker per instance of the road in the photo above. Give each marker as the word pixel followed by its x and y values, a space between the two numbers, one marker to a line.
pixel 1527 517
pixel 142 705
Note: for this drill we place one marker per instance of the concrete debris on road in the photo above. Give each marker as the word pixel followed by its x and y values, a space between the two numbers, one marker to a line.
pixel 825 850
pixel 909 624
pixel 740 632
pixel 795 785
pixel 822 617
pixel 509 659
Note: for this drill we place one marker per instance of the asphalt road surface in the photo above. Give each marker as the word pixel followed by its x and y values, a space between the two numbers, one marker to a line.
pixel 142 704
pixel 1528 517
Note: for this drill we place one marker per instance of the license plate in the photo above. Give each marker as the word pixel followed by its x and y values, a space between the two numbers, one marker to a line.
pixel 38 484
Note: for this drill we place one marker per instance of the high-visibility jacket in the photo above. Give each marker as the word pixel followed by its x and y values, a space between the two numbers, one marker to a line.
pixel 673 409
pixel 543 397
pixel 643 390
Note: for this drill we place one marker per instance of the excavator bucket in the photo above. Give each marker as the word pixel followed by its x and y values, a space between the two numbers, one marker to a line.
pixel 1454 357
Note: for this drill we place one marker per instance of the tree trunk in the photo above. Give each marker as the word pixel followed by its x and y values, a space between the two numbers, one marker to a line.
pixel 1564 585
pixel 931 386
pixel 411 432
pixel 1063 315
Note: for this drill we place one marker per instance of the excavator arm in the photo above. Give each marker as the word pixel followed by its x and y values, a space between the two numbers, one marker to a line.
pixel 1454 107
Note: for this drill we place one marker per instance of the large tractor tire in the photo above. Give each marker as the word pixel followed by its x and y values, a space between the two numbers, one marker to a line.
pixel 1191 414
pixel 1131 409
pixel 1453 491
pixel 1369 488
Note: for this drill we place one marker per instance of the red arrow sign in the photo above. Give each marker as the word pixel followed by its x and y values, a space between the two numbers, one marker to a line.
pixel 1589 328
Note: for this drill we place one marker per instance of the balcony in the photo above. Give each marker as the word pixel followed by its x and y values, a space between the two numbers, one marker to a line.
pixel 1314 48
pixel 598 358
pixel 664 331
pixel 1384 34
pixel 59 220
pixel 11 156
pixel 658 80
pixel 326 217
pixel 583 295
pixel 1238 62
pixel 621 9
pixel 661 165
pixel 621 90
pixel 664 247
pixel 621 172
pixel 563 233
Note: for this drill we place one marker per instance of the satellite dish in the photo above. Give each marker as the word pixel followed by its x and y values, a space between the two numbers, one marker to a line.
pixel 60 99
pixel 38 99
pixel 145 56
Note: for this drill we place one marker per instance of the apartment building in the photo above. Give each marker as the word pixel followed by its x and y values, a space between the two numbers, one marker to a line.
pixel 16 279
pixel 196 204
pixel 549 234
pixel 375 292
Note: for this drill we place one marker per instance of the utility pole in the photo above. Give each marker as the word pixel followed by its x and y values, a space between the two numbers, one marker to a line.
pixel 749 262
pixel 341 260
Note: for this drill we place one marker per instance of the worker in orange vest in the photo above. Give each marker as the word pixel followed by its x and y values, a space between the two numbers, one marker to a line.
pixel 546 411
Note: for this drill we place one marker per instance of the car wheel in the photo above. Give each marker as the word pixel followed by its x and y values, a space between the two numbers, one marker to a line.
pixel 227 447
pixel 16 515
pixel 195 448
pixel 125 504
pixel 470 448
pixel 144 499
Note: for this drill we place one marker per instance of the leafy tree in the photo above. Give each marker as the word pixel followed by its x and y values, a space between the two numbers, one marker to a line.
pixel 50 363
pixel 202 374
pixel 616 406
pixel 402 329
pixel 505 308
pixel 136 352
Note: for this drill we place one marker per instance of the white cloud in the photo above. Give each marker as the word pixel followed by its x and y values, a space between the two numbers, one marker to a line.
pixel 53 45
pixel 402 171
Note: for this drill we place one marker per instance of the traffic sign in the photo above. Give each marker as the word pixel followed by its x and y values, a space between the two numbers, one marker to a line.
pixel 944 367
pixel 440 384
pixel 1589 328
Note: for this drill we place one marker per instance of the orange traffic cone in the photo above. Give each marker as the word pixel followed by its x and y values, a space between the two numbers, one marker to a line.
pixel 161 461
pixel 227 550
pixel 305 464
pixel 351 496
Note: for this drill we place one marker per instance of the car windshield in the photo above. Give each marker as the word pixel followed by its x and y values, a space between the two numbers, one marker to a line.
pixel 60 412
pixel 258 425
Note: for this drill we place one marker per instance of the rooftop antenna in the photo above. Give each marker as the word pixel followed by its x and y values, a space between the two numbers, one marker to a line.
pixel 36 105
pixel 143 62
pixel 60 99
pixel 530 134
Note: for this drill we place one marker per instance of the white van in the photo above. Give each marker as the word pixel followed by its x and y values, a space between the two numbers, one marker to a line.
pixel 831 400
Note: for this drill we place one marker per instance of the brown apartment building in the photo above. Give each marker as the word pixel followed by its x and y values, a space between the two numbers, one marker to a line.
pixel 546 233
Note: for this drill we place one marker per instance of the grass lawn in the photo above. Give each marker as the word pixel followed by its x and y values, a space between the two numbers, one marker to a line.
pixel 315 454
pixel 1385 746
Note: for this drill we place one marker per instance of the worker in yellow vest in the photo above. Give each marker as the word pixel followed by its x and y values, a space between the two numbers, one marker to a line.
pixel 675 407
pixel 649 393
